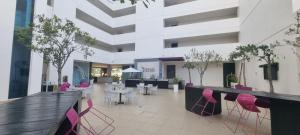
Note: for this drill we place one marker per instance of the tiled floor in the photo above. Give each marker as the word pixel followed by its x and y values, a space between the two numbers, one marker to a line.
pixel 165 114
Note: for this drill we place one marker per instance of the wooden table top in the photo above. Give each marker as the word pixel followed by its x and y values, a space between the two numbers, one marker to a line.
pixel 39 114
pixel 295 98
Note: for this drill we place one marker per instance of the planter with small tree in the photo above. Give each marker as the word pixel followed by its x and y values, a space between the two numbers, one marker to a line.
pixel 189 65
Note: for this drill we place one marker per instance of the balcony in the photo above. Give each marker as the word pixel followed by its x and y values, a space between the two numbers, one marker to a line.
pixel 202 29
pixel 198 6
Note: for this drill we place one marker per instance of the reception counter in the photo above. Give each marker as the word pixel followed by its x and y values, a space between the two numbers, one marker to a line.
pixel 161 84
pixel 284 109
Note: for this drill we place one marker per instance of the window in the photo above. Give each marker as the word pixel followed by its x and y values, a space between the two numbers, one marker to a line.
pixel 120 50
pixel 174 45
pixel 50 3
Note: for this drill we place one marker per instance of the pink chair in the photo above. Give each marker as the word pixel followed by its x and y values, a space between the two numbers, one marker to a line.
pixel 63 87
pixel 74 120
pixel 84 84
pixel 98 114
pixel 232 98
pixel 208 96
pixel 247 102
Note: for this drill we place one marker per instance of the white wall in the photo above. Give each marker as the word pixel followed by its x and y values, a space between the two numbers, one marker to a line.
pixel 212 77
pixel 296 5
pixel 149 68
pixel 265 21
pixel 7 24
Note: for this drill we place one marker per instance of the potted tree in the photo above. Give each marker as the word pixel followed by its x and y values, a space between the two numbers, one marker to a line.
pixel 189 65
pixel 175 84
pixel 203 59
pixel 266 54
pixel 115 79
pixel 54 38
pixel 242 54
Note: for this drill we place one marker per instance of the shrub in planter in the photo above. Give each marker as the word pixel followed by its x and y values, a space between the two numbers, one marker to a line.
pixel 231 80
pixel 175 84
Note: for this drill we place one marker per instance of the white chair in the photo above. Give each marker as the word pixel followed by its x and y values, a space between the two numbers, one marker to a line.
pixel 154 90
pixel 110 96
pixel 140 88
pixel 150 85
pixel 130 96
pixel 142 84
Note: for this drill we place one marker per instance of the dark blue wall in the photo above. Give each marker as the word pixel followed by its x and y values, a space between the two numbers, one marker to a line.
pixel 20 62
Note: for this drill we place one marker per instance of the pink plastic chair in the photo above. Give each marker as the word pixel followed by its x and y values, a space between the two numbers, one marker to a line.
pixel 63 87
pixel 84 84
pixel 247 102
pixel 74 120
pixel 232 98
pixel 98 114
pixel 207 94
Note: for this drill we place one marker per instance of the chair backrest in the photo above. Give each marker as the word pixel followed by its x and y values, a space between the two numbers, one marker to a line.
pixel 84 84
pixel 142 84
pixel 150 85
pixel 72 117
pixel 247 101
pixel 207 94
pixel 64 86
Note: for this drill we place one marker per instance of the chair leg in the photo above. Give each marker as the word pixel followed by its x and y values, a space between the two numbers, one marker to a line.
pixel 196 103
pixel 227 108
pixel 264 116
pixel 257 121
pixel 213 110
pixel 203 109
pixel 239 121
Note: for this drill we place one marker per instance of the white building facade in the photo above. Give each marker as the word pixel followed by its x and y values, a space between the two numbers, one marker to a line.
pixel 168 29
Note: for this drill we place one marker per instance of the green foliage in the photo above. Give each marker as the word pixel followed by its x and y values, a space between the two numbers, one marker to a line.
pixel 55 39
pixel 242 53
pixel 175 80
pixel 142 80
pixel 115 78
pixel 266 53
pixel 201 61
pixel 232 78
pixel 188 64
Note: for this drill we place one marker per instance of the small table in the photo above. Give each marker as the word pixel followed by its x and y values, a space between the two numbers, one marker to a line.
pixel 121 92
pixel 146 88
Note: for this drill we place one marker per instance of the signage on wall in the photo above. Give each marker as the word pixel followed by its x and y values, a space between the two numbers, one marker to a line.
pixel 149 70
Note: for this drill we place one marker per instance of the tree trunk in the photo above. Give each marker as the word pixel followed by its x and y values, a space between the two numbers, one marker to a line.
pixel 244 74
pixel 59 76
pixel 190 75
pixel 201 78
pixel 269 68
pixel 240 74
